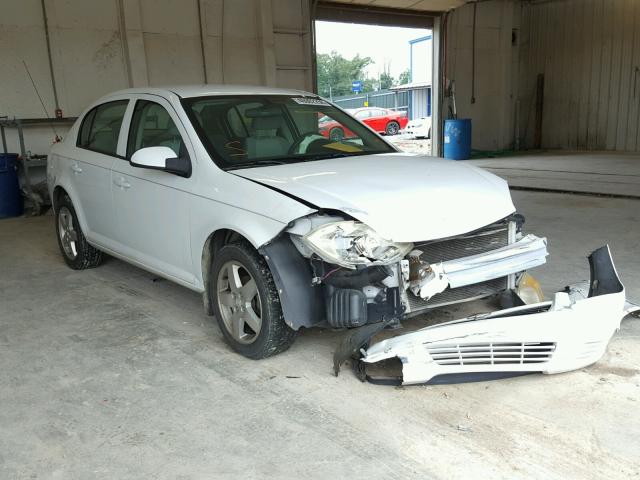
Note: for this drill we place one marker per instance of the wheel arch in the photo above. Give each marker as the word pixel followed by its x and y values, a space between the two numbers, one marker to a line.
pixel 59 191
pixel 302 304
pixel 214 242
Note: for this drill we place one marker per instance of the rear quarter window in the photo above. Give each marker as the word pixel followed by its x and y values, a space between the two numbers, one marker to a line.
pixel 100 128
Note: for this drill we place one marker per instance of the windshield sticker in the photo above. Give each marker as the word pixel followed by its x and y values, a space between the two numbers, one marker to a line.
pixel 310 101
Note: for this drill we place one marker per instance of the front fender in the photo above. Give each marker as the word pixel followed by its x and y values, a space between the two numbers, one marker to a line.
pixel 302 303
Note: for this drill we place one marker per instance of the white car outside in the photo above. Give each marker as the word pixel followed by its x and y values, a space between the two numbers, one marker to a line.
pixel 418 128
pixel 233 192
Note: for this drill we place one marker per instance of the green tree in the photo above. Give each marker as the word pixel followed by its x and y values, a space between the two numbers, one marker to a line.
pixel 404 78
pixel 335 73
pixel 386 81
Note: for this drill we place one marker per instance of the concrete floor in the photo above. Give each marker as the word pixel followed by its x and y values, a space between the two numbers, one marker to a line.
pixel 588 172
pixel 108 373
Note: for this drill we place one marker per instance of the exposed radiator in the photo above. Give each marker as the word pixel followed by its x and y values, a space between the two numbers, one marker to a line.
pixel 457 295
pixel 484 240
pixel 489 238
pixel 502 353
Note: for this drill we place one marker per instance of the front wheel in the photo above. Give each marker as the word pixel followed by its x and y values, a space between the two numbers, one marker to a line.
pixel 392 128
pixel 75 249
pixel 246 303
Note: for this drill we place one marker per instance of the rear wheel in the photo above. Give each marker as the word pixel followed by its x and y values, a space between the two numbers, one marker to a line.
pixel 392 128
pixel 75 249
pixel 246 303
pixel 336 134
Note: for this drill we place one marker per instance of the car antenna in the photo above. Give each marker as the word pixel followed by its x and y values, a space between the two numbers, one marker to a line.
pixel 57 138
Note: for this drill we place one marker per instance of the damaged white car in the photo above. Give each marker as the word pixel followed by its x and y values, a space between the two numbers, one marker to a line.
pixel 236 193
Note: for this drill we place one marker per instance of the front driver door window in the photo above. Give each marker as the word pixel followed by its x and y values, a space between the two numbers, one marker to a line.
pixel 152 126
pixel 152 206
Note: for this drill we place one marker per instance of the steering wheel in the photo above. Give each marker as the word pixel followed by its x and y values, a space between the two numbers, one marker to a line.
pixel 298 141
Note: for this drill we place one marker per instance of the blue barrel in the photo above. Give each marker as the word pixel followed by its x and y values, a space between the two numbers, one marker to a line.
pixel 457 139
pixel 10 199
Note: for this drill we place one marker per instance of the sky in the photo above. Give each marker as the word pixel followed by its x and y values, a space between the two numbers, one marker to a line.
pixel 385 45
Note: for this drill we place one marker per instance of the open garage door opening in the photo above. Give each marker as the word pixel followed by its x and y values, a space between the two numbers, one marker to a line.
pixel 380 69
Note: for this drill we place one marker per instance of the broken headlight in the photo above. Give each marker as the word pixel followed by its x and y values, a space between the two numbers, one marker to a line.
pixel 350 243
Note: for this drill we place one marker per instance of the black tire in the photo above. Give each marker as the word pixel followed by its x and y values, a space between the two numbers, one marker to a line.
pixel 392 128
pixel 86 256
pixel 336 134
pixel 274 335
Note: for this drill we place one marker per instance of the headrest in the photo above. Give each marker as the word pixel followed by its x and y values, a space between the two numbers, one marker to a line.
pixel 267 123
pixel 209 111
pixel 261 112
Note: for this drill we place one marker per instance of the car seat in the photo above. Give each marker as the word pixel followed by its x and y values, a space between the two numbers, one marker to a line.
pixel 266 139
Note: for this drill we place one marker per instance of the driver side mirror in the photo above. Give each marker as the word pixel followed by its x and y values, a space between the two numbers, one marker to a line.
pixel 161 158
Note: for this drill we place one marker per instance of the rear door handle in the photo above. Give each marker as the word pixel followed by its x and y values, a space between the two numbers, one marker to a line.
pixel 75 168
pixel 122 183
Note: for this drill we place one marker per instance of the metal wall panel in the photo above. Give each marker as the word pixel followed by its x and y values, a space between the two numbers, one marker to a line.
pixel 100 47
pixel 589 53
pixel 383 98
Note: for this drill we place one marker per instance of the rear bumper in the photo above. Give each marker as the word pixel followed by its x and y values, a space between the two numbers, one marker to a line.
pixel 568 333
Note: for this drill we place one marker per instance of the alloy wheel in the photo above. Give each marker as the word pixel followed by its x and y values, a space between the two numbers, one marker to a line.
pixel 68 234
pixel 239 302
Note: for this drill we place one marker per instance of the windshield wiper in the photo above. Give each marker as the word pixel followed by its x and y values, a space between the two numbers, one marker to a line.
pixel 256 163
pixel 327 156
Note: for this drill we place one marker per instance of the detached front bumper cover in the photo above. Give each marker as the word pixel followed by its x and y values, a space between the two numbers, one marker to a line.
pixel 568 333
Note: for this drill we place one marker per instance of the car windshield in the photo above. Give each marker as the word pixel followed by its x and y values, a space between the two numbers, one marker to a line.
pixel 251 131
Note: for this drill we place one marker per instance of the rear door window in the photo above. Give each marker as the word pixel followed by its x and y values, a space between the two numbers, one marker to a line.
pixel 100 128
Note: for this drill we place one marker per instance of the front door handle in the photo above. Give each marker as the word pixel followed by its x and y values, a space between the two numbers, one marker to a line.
pixel 75 168
pixel 122 183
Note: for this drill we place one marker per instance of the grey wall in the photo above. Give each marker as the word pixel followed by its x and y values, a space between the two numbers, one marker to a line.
pixel 99 46
pixel 492 107
pixel 589 53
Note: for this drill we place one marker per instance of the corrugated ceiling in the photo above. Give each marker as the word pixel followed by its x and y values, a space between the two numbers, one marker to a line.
pixel 418 5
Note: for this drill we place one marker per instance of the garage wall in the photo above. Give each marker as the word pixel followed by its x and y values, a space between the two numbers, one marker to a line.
pixel 589 53
pixel 101 46
pixel 485 93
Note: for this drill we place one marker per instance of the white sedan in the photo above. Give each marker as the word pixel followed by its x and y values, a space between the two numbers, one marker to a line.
pixel 418 128
pixel 235 193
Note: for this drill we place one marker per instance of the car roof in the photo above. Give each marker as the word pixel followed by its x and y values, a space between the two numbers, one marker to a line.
pixel 367 108
pixel 187 91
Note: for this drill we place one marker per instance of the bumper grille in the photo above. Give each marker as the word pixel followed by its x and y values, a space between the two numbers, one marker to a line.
pixel 492 353
pixel 484 240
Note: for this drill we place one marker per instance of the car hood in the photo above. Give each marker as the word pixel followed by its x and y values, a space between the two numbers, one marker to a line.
pixel 404 197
